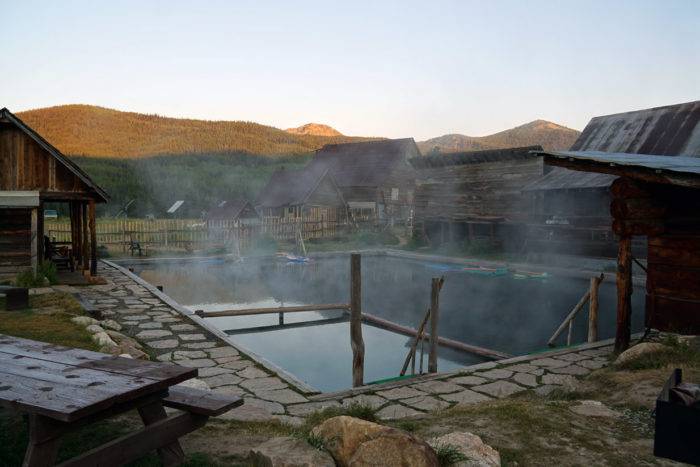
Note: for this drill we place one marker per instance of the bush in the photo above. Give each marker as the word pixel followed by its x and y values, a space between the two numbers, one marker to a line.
pixel 46 273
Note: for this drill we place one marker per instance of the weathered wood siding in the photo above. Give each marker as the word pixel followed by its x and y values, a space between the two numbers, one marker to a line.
pixel 325 194
pixel 24 165
pixel 473 190
pixel 670 217
pixel 15 239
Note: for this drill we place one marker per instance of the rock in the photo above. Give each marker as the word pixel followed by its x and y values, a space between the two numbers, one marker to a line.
pixel 571 370
pixel 164 344
pixel 263 384
pixel 397 411
pixel 196 363
pixel 369 400
pixel 153 334
pixel 219 352
pixel 111 324
pixel 468 380
pixel 125 355
pixel 526 379
pixel 496 373
pixel 593 409
pixel 427 403
pixel 499 388
pixel 438 387
pixel 343 435
pixel 94 328
pixel 133 352
pixel 638 350
pixel 311 407
pixel 103 340
pixel 284 396
pixel 289 452
pixel 251 373
pixel 465 397
pixel 122 339
pixel 84 320
pixel 400 393
pixel 194 383
pixel 477 453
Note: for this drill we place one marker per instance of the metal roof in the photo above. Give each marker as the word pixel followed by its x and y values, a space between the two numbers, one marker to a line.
pixel 679 170
pixel 672 130
pixel 70 165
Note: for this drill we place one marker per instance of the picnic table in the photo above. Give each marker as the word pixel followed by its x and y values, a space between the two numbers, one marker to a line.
pixel 62 389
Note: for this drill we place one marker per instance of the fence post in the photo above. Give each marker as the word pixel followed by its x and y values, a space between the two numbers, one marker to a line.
pixel 434 317
pixel 356 342
pixel 593 308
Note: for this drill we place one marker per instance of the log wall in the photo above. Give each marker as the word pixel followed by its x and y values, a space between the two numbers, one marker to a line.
pixel 15 239
pixel 472 190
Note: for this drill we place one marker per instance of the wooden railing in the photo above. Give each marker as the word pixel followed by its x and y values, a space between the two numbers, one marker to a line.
pixel 591 296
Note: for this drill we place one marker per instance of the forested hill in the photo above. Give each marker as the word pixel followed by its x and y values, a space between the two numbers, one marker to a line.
pixel 99 132
pixel 539 132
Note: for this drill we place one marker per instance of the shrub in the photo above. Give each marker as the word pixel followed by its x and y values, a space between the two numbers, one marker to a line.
pixel 448 454
pixel 46 273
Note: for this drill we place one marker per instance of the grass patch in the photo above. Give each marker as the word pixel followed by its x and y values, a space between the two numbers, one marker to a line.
pixel 46 274
pixel 315 441
pixel 361 411
pixel 448 454
pixel 676 353
pixel 48 320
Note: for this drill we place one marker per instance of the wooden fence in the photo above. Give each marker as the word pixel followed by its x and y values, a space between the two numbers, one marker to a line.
pixel 189 234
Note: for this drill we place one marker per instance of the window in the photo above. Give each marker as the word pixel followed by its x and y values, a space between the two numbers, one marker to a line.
pixel 394 194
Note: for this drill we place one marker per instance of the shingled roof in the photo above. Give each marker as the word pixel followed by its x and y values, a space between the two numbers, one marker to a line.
pixel 475 157
pixel 671 130
pixel 291 187
pixel 364 164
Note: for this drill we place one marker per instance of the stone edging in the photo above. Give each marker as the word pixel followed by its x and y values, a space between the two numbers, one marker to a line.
pixel 268 365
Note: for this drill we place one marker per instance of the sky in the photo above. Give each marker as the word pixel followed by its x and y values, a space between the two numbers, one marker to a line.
pixel 375 68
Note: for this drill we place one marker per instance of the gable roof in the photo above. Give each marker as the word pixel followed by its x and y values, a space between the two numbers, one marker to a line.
pixel 230 209
pixel 291 187
pixel 671 130
pixel 475 157
pixel 5 114
pixel 367 163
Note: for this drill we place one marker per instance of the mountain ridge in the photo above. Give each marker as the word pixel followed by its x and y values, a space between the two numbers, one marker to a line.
pixel 316 129
pixel 88 130
pixel 549 135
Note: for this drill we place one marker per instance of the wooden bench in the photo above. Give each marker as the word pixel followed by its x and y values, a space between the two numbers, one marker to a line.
pixel 16 298
pixel 62 389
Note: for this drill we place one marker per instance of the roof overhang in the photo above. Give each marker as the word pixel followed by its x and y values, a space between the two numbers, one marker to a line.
pixel 674 170
pixel 19 199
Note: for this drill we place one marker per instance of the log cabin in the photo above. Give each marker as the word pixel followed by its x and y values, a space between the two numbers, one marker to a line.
pixel 302 195
pixel 569 209
pixel 474 195
pixel 374 177
pixel 32 173
pixel 656 198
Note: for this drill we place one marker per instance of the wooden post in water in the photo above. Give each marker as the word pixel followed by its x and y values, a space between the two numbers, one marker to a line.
pixel 624 293
pixel 593 308
pixel 356 342
pixel 434 317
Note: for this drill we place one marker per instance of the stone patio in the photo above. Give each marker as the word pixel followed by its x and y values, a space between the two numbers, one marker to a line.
pixel 172 334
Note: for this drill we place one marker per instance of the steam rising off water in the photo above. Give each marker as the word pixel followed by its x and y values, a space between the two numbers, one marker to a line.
pixel 501 313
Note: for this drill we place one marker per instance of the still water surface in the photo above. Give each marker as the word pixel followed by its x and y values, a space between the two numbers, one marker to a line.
pixel 504 313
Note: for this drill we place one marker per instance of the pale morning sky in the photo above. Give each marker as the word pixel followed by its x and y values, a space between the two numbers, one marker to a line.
pixel 393 69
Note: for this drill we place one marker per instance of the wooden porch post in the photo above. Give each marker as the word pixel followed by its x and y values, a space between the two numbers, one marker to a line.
pixel 84 237
pixel 624 293
pixel 434 319
pixel 76 232
pixel 93 238
pixel 34 240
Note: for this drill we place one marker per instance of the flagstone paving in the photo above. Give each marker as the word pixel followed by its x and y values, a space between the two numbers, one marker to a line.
pixel 170 336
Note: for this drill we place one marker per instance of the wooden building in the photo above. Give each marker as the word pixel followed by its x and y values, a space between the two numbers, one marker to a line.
pixel 237 211
pixel 304 194
pixel 374 177
pixel 473 194
pixel 656 198
pixel 569 208
pixel 32 173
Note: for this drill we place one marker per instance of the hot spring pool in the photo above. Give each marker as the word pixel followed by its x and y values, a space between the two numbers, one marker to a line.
pixel 503 313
